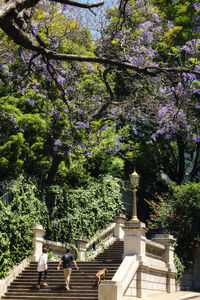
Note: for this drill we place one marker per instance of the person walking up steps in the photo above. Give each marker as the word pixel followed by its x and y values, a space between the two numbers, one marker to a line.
pixel 67 261
pixel 42 267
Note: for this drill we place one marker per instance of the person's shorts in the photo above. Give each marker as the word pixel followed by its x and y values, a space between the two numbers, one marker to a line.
pixel 67 273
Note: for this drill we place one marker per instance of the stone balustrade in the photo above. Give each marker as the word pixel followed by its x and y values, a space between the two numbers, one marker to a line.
pixel 147 268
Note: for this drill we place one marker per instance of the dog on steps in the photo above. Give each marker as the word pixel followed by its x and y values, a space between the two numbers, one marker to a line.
pixel 100 275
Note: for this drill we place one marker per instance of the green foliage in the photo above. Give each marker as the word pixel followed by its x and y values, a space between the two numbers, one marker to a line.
pixel 178 213
pixel 179 267
pixel 80 212
pixel 71 213
pixel 15 223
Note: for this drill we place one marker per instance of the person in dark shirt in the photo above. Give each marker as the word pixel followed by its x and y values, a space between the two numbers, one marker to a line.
pixel 67 261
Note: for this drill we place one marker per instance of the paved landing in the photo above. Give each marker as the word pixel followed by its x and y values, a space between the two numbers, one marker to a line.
pixel 182 295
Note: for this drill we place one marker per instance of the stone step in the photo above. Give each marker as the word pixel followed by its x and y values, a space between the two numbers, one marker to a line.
pixel 58 297
pixel 82 282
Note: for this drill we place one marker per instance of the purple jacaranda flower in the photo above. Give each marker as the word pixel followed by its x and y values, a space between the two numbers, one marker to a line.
pixel 55 148
pixel 175 128
pixel 170 24
pixel 117 147
pixel 103 128
pixel 100 66
pixel 93 98
pixel 58 143
pixel 140 3
pixel 35 89
pixel 82 125
pixel 168 137
pixel 148 36
pixel 4 67
pixel 66 110
pixel 83 147
pixel 197 105
pixel 61 80
pixel 9 74
pixel 196 6
pixel 91 69
pixel 30 101
pixel 70 151
pixel 196 20
pixel 47 78
pixel 162 111
pixel 113 112
pixel 10 117
pixel 34 30
pixel 196 29
pixel 197 139
pixel 89 152
pixel 146 25
pixel 80 111
pixel 70 88
pixel 112 150
pixel 98 86
pixel 21 130
pixel 156 17
pixel 99 51
pixel 14 121
pixel 154 136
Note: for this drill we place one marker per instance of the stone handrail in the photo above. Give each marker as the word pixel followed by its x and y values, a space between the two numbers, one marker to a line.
pixel 114 231
pixel 13 273
pixel 56 247
pixel 114 289
pixel 147 267
pixel 155 250
pixel 104 235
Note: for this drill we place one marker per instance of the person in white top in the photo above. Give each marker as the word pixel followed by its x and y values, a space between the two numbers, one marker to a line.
pixel 42 267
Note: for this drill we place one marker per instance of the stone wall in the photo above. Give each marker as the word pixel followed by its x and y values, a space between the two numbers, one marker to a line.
pixel 191 278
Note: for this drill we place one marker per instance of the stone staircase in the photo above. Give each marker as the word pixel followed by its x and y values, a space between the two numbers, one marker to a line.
pixel 82 282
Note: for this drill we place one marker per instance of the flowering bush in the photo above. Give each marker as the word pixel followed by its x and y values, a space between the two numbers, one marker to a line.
pixel 177 213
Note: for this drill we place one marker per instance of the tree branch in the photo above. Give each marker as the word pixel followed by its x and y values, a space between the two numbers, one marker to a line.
pixel 80 4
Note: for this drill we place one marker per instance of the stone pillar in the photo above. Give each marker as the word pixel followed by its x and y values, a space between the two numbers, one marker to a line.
pixel 134 238
pixel 168 241
pixel 135 244
pixel 168 256
pixel 118 231
pixel 38 233
pixel 81 245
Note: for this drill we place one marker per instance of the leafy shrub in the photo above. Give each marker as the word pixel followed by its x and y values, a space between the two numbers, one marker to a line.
pixel 15 223
pixel 71 213
pixel 178 213
pixel 81 212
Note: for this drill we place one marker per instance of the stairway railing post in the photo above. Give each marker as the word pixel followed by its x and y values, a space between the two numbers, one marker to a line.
pixel 38 233
pixel 81 245
pixel 119 227
pixel 169 241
